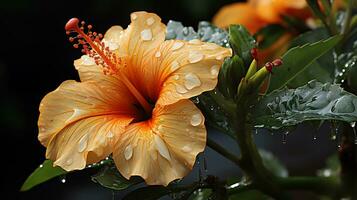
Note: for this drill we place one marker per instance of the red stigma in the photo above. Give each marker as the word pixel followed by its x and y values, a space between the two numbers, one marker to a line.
pixel 254 53
pixel 91 44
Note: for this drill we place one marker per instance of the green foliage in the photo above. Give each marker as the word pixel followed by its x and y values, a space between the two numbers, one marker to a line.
pixel 110 177
pixel 297 60
pixel 241 42
pixel 273 164
pixel 201 194
pixel 314 101
pixel 43 173
pixel 269 34
pixel 229 77
pixel 205 32
pixel 322 69
pixel 148 193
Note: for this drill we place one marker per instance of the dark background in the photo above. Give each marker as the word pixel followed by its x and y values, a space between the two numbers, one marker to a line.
pixel 35 57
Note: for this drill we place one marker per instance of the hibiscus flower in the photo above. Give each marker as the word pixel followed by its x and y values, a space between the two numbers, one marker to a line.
pixel 132 101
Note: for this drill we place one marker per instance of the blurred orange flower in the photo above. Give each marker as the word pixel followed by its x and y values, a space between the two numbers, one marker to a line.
pixel 256 14
pixel 138 110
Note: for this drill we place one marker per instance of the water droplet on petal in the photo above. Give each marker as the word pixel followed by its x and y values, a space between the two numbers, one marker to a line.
pixel 161 147
pixel 158 54
pixel 146 35
pixel 110 134
pixel 69 161
pixel 86 60
pixel 76 113
pixel 195 41
pixel 82 144
pixel 174 66
pixel 177 45
pixel 219 57
pixel 214 70
pixel 180 89
pixel 128 152
pixel 150 21
pixel 195 56
pixel 186 149
pixel 196 119
pixel 134 17
pixel 192 81
pixel 176 77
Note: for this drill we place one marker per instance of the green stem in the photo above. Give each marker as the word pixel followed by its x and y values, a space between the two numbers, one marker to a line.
pixel 227 105
pixel 346 24
pixel 218 148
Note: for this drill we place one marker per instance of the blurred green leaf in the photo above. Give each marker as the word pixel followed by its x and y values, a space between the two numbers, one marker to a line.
pixel 273 164
pixel 314 101
pixel 269 34
pixel 110 177
pixel 43 173
pixel 297 60
pixel 242 43
pixel 322 69
pixel 332 168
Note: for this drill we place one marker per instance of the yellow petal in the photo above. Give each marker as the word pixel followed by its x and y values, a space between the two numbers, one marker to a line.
pixel 189 70
pixel 144 33
pixel 112 37
pixel 165 148
pixel 73 101
pixel 86 141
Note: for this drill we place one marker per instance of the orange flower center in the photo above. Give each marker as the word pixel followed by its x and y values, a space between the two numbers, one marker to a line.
pixel 112 64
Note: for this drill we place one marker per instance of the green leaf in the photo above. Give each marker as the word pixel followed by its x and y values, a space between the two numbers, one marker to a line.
pixel 206 32
pixel 322 69
pixel 273 164
pixel 110 177
pixel 43 173
pixel 269 34
pixel 314 101
pixel 230 74
pixel 297 60
pixel 241 42
pixel 332 168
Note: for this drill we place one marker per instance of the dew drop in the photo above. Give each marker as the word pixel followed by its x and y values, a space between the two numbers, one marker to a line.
pixel 214 70
pixel 76 113
pixel 195 56
pixel 177 45
pixel 176 77
pixel 63 180
pixel 41 166
pixel 158 54
pixel 86 60
pixel 194 41
pixel 110 134
pixel 69 161
pixel 174 66
pixel 353 124
pixel 134 17
pixel 82 144
pixel 180 89
pixel 150 21
pixel 146 35
pixel 161 147
pixel 128 152
pixel 186 149
pixel 285 137
pixel 196 119
pixel 192 81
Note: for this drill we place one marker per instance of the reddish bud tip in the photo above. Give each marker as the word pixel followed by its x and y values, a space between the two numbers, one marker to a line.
pixel 254 53
pixel 72 24
pixel 269 66
pixel 277 62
